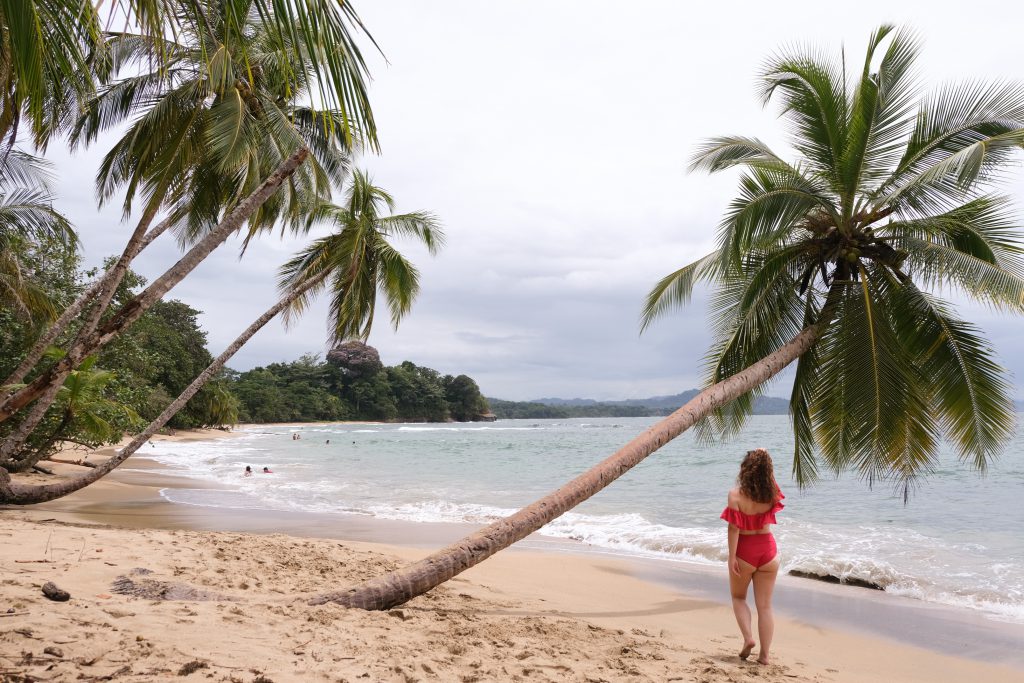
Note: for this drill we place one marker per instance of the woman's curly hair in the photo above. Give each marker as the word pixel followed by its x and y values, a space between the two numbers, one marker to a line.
pixel 757 477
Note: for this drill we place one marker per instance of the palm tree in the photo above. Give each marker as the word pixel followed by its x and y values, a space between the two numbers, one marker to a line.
pixel 360 260
pixel 27 217
pixel 354 261
pixel 204 133
pixel 45 386
pixel 82 408
pixel 216 126
pixel 255 43
pixel 832 262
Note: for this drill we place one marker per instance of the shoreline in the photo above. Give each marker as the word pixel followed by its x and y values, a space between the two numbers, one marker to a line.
pixel 135 502
pixel 810 640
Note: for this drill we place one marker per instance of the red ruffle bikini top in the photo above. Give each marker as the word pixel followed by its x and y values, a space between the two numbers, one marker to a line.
pixel 753 522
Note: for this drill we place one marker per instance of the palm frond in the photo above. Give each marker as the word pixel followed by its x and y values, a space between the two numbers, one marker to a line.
pixel 675 289
pixel 19 169
pixel 936 265
pixel 398 280
pixel 879 113
pixel 770 204
pixel 963 133
pixel 421 225
pixel 29 213
pixel 805 388
pixel 971 394
pixel 754 312
pixel 719 154
pixel 985 228
pixel 872 411
pixel 808 86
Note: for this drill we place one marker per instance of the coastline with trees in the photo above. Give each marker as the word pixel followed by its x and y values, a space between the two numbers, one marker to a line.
pixel 223 122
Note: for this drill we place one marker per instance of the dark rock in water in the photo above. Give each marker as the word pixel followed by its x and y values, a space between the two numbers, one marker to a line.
pixel 355 359
pixel 56 594
pixel 831 578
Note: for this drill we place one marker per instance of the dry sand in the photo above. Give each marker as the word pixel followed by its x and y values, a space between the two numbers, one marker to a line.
pixel 226 606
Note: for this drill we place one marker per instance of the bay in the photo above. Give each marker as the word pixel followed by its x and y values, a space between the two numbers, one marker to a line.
pixel 957 542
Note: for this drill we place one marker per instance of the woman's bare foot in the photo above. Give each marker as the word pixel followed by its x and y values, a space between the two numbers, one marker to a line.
pixel 763 660
pixel 747 647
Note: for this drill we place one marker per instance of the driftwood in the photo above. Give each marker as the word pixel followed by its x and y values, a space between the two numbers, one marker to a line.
pixel 43 470
pixel 79 462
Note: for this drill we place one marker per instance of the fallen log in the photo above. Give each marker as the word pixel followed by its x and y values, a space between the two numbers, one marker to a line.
pixel 80 462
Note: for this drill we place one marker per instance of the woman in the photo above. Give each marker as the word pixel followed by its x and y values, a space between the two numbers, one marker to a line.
pixel 753 555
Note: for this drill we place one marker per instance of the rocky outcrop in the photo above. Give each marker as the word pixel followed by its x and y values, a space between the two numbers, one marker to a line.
pixel 355 359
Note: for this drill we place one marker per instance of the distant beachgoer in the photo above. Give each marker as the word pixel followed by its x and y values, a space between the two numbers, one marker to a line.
pixel 248 471
pixel 328 442
pixel 266 470
pixel 753 555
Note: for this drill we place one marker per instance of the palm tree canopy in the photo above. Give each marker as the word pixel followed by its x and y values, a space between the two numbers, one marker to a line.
pixel 323 30
pixel 214 111
pixel 357 260
pixel 45 47
pixel 892 198
pixel 27 220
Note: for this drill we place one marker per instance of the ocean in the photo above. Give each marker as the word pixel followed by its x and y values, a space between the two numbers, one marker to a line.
pixel 959 541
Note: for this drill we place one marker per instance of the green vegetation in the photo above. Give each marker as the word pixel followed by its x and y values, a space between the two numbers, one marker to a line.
pixel 129 383
pixel 556 408
pixel 309 389
pixel 532 410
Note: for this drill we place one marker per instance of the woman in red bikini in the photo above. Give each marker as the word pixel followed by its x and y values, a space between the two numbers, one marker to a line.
pixel 753 556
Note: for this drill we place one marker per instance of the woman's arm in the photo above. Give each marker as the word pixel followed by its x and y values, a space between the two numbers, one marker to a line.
pixel 734 539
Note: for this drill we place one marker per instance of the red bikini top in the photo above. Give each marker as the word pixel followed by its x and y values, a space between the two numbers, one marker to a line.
pixel 753 522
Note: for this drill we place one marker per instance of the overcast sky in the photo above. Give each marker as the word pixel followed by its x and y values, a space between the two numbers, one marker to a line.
pixel 551 138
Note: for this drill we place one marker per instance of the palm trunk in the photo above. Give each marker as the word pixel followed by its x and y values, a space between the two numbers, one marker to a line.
pixel 132 310
pixel 12 457
pixel 404 584
pixel 74 310
pixel 20 494
pixel 103 294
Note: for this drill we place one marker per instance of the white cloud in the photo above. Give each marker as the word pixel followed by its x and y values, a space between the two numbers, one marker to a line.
pixel 552 140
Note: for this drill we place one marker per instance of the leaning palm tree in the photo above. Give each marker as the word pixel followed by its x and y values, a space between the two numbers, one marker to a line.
pixel 833 262
pixel 355 261
pixel 215 128
pixel 253 57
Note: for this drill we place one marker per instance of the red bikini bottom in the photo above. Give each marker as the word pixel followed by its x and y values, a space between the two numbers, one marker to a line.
pixel 756 549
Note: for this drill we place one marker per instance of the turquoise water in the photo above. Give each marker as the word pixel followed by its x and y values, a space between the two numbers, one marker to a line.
pixel 959 541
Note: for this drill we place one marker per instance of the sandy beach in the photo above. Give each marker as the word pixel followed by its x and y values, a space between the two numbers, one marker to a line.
pixel 162 591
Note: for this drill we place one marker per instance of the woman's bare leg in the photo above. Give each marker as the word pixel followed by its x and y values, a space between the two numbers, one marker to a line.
pixel 764 585
pixel 738 587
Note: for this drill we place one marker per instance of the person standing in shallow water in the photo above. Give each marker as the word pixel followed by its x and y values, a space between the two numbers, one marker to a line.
pixel 753 555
